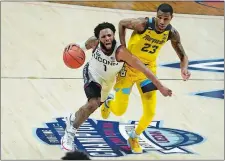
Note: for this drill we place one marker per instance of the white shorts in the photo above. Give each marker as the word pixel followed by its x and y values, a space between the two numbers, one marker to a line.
pixel 95 86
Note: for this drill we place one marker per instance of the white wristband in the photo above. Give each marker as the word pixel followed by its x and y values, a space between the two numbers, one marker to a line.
pixel 82 46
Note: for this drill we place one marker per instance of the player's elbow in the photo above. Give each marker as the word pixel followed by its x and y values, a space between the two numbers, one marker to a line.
pixel 123 24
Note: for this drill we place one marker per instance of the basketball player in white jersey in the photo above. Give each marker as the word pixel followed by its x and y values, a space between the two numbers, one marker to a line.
pixel 99 74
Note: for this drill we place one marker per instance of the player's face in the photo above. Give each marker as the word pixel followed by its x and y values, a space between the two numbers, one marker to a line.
pixel 163 19
pixel 106 36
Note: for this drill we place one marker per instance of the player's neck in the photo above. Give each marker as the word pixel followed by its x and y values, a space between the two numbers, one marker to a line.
pixel 107 52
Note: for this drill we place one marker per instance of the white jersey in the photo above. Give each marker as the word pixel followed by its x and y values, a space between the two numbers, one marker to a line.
pixel 103 66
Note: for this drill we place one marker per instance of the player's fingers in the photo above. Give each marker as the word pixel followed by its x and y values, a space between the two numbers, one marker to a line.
pixel 185 77
pixel 169 92
pixel 188 76
pixel 67 48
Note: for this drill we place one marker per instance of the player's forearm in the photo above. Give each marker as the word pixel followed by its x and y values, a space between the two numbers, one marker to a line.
pixel 184 62
pixel 153 78
pixel 178 47
pixel 124 55
pixel 181 54
pixel 142 68
pixel 122 33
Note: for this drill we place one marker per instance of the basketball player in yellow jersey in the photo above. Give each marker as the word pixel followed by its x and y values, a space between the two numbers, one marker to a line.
pixel 148 37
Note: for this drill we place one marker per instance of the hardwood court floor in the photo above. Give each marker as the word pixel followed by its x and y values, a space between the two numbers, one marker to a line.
pixel 201 8
pixel 37 89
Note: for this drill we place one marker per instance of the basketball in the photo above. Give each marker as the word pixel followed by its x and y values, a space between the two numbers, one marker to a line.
pixel 74 57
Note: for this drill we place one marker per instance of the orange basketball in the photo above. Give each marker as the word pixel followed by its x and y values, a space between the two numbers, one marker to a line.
pixel 74 57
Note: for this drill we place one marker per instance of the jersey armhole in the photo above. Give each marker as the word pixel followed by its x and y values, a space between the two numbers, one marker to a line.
pixel 170 32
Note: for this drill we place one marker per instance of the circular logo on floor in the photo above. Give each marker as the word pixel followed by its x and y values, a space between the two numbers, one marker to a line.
pixel 109 138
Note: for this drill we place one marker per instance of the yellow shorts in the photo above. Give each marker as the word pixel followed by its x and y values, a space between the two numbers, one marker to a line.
pixel 128 76
pixel 124 83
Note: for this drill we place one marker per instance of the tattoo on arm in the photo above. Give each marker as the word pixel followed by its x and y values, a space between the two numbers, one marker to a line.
pixel 176 43
pixel 138 25
pixel 134 24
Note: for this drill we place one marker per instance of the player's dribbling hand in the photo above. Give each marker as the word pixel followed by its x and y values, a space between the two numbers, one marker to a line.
pixel 165 91
pixel 185 74
pixel 69 46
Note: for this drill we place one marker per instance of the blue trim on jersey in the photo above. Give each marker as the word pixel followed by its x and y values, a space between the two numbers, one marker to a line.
pixel 126 90
pixel 145 82
pixel 117 89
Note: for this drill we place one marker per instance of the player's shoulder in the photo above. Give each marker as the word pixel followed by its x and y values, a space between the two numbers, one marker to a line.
pixel 174 34
pixel 142 19
pixel 119 47
pixel 143 23
pixel 118 44
pixel 173 29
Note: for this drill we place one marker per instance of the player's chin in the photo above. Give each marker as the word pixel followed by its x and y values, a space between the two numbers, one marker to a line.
pixel 162 27
pixel 108 46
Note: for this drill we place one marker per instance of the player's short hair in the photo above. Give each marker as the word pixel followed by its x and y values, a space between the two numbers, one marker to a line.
pixel 102 26
pixel 164 7
pixel 76 155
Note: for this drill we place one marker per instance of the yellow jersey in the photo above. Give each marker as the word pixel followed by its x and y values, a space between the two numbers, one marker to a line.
pixel 146 45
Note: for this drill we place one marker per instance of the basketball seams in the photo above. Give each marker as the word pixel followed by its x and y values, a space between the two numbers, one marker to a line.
pixel 71 57
pixel 74 58
pixel 65 59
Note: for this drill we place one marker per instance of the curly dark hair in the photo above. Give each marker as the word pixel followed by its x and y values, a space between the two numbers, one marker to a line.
pixel 76 155
pixel 102 26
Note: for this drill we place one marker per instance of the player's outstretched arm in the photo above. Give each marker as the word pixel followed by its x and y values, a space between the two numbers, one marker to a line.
pixel 124 55
pixel 137 25
pixel 91 43
pixel 176 43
